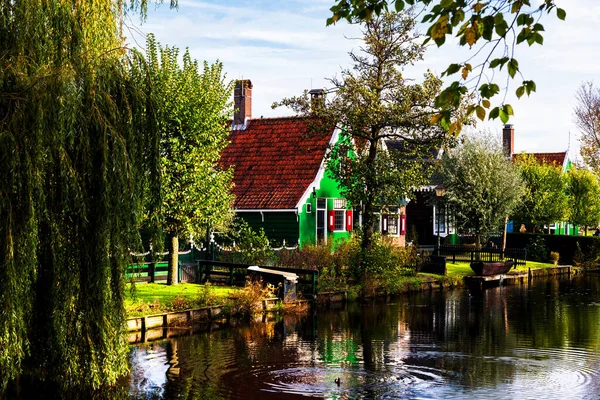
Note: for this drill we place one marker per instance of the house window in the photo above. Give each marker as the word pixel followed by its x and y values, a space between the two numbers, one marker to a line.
pixel 440 220
pixel 321 204
pixel 393 224
pixel 340 220
pixel 339 206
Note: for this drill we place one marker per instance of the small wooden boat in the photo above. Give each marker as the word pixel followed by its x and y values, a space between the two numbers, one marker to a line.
pixel 482 268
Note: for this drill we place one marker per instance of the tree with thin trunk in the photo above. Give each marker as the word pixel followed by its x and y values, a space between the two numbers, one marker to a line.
pixel 482 186
pixel 193 108
pixel 587 119
pixel 545 198
pixel 373 102
pixel 583 193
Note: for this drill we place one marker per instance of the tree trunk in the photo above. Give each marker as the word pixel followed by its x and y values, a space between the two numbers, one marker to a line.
pixel 504 235
pixel 369 217
pixel 173 260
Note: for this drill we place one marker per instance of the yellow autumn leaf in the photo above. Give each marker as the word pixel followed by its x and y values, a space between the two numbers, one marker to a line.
pixel 452 128
pixel 470 36
pixel 477 7
pixel 485 103
pixel 465 73
pixel 435 118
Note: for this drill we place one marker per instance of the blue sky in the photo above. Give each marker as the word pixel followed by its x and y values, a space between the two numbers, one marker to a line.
pixel 284 48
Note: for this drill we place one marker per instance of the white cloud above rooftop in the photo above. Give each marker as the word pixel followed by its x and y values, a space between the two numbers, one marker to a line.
pixel 284 47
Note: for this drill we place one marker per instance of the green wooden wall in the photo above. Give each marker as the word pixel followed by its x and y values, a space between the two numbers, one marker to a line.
pixel 277 226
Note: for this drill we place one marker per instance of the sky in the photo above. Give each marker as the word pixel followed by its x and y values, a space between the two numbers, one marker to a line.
pixel 284 47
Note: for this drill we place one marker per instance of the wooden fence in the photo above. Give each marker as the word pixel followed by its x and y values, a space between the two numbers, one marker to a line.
pixel 467 253
pixel 199 271
pixel 235 273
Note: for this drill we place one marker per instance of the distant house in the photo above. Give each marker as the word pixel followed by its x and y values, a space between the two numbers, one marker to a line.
pixel 280 181
pixel 558 159
pixel 424 216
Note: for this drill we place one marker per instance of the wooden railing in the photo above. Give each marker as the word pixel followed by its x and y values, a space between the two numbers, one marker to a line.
pixel 468 253
pixel 236 273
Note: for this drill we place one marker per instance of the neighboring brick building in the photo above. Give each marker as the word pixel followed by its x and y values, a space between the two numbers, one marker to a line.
pixel 559 159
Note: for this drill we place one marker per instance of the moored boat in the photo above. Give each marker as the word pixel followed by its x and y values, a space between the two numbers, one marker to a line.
pixel 482 268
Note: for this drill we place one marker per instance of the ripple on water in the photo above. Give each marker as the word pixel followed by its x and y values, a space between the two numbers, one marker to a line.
pixel 564 370
pixel 397 382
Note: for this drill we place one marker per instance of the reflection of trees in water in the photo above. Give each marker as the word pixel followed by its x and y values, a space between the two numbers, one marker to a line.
pixel 473 340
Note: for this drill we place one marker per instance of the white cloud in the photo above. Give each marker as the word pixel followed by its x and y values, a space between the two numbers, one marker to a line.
pixel 284 48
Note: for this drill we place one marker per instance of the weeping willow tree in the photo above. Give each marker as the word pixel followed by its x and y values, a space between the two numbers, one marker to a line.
pixel 78 145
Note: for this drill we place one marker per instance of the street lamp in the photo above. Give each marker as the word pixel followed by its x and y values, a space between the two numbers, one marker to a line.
pixel 440 191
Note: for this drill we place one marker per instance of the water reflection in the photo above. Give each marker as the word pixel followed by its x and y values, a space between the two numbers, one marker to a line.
pixel 513 342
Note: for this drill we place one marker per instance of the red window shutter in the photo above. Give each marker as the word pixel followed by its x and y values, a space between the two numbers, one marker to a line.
pixel 403 224
pixel 331 222
pixel 348 220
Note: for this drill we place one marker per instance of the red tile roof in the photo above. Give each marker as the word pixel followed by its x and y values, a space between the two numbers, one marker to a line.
pixel 275 160
pixel 557 159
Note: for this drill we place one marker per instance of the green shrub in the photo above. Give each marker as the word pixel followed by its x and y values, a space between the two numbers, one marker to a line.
pixel 206 296
pixel 248 300
pixel 578 256
pixel 565 245
pixel 251 247
pixel 537 250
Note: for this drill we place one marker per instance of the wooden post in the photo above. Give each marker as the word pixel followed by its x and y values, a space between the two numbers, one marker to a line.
pixel 151 271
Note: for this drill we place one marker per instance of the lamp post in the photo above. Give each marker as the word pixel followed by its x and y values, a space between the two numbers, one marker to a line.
pixel 440 191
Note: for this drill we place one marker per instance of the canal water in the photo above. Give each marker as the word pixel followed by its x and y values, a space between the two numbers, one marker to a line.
pixel 537 341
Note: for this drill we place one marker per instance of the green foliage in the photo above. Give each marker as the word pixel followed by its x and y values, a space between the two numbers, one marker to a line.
pixel 537 249
pixel 565 245
pixel 251 247
pixel 491 29
pixel 482 186
pixel 583 193
pixel 77 156
pixel 545 200
pixel 374 103
pixel 578 256
pixel 193 108
pixel 333 267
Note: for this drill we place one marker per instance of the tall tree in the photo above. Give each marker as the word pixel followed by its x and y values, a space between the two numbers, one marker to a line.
pixel 583 192
pixel 545 199
pixel 193 109
pixel 482 186
pixel 374 102
pixel 77 149
pixel 587 118
pixel 491 29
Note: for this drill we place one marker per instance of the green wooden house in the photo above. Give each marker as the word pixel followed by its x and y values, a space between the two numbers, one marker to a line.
pixel 280 180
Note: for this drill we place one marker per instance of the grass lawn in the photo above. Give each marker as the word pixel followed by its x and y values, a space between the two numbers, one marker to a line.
pixel 156 298
pixel 463 268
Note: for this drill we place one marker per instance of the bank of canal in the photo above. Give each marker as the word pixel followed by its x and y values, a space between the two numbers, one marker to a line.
pixel 539 340
pixel 150 327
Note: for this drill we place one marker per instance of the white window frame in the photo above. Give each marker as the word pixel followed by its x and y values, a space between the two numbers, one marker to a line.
pixel 339 207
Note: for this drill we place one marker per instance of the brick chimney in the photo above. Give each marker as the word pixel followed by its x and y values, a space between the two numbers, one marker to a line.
pixel 242 99
pixel 317 98
pixel 508 140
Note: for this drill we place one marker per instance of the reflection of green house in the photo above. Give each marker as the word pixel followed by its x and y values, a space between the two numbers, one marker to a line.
pixel 560 160
pixel 281 184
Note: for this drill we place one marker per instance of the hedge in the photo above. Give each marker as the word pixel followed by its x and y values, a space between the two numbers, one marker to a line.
pixel 565 245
